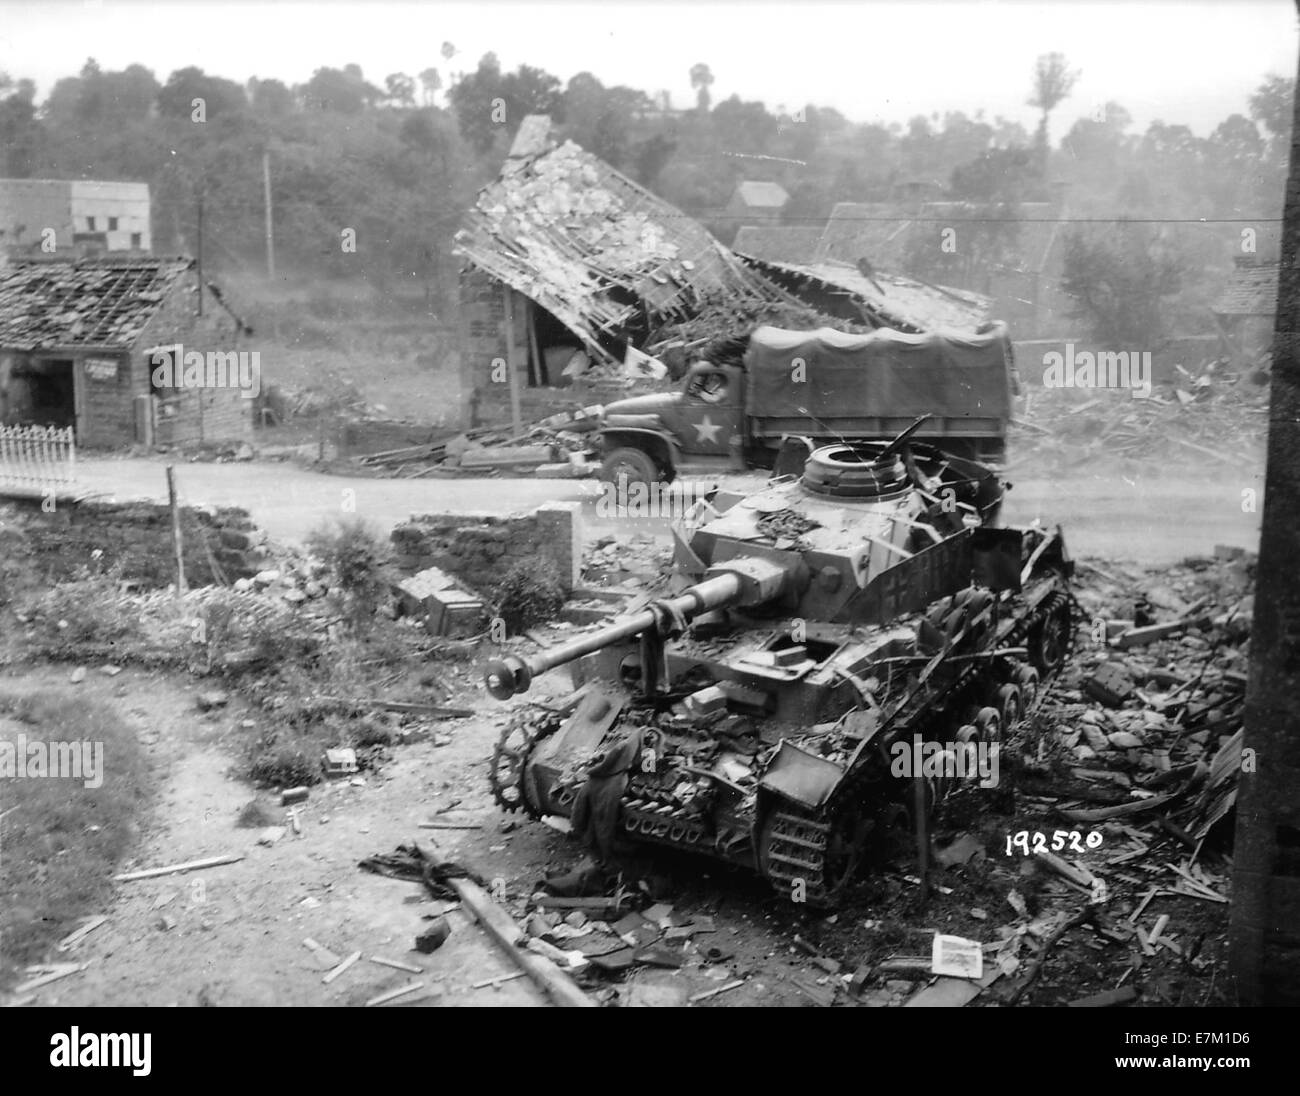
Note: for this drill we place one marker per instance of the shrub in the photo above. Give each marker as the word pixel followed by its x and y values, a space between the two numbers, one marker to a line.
pixel 357 559
pixel 529 593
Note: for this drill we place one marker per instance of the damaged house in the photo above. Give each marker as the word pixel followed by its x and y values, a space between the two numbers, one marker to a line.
pixel 568 264
pixel 573 270
pixel 80 343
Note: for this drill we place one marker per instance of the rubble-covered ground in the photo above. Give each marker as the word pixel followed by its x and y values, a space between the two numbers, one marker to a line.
pixel 1130 779
pixel 1126 771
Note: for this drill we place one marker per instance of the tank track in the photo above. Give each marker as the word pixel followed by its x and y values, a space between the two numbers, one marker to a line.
pixel 796 845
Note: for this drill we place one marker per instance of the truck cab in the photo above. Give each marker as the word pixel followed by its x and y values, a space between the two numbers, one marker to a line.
pixel 659 436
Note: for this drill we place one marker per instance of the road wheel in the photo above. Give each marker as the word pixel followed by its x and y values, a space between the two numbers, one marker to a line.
pixel 989 725
pixel 636 464
pixel 1028 678
pixel 1010 705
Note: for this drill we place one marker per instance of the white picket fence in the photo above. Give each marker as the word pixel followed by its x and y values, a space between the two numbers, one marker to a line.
pixel 37 459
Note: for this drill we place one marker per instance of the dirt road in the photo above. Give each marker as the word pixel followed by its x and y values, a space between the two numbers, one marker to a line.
pixel 232 935
pixel 1149 518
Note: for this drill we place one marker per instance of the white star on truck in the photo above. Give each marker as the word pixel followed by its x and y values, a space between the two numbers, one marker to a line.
pixel 708 430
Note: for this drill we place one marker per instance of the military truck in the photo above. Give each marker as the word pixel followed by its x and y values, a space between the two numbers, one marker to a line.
pixel 816 387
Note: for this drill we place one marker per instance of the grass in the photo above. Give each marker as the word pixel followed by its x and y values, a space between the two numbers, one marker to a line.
pixel 60 840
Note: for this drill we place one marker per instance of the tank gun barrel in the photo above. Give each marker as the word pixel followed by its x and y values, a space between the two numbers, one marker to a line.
pixel 737 582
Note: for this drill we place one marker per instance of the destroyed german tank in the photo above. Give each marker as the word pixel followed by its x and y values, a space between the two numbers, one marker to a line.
pixel 812 633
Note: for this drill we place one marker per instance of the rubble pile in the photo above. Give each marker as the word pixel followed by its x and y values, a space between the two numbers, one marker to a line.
pixel 1210 412
pixel 1148 719
pixel 1110 884
pixel 555 447
pixel 613 559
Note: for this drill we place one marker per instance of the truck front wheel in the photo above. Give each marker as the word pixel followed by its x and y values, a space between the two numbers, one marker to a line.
pixel 636 464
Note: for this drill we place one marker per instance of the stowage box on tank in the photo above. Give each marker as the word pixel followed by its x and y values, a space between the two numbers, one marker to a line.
pixel 821 630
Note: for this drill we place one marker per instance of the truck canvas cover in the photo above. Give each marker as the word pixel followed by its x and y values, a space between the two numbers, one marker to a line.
pixel 953 375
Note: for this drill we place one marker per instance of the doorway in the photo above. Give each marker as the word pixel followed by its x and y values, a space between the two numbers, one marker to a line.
pixel 43 392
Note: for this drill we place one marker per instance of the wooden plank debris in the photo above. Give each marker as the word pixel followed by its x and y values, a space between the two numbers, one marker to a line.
pixel 349 961
pixel 394 994
pixel 55 972
pixel 396 964
pixel 1146 899
pixel 174 869
pixel 500 980
pixel 1076 875
pixel 1101 814
pixel 402 706
pixel 80 933
pixel 1138 637
pixel 704 995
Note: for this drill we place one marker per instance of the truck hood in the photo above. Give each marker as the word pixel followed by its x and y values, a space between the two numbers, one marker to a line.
pixel 651 404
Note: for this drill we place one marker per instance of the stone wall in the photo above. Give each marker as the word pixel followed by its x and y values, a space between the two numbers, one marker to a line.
pixel 136 537
pixel 480 549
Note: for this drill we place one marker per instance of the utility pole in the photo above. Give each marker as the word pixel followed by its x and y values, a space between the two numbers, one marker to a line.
pixel 270 232
pixel 1264 934
pixel 199 256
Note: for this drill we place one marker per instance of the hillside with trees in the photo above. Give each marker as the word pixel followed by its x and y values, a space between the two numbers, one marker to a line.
pixel 398 158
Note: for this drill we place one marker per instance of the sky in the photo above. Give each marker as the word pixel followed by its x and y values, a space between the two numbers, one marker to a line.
pixel 1189 62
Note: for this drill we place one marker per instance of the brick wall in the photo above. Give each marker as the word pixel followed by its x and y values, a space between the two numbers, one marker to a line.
pixel 218 414
pixel 480 549
pixel 137 536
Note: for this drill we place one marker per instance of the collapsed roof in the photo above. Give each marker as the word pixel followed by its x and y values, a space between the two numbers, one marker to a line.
pixel 883 299
pixel 89 303
pixel 593 248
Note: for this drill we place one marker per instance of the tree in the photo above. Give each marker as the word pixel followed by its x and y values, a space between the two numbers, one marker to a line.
pixel 651 157
pixel 601 119
pixel 342 91
pixel 430 81
pixel 1099 140
pixel 400 88
pixel 1053 82
pixel 488 101
pixel 1119 282
pixel 18 129
pixel 270 98
pixel 743 127
pixel 1270 106
pixel 701 80
pixel 221 98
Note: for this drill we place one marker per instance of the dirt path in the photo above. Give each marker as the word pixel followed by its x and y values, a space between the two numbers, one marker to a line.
pixel 233 934
pixel 1148 517
pixel 238 929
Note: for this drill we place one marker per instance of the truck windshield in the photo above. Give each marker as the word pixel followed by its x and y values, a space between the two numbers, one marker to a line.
pixel 709 387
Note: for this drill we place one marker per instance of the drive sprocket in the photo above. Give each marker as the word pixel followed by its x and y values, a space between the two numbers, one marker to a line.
pixel 526 727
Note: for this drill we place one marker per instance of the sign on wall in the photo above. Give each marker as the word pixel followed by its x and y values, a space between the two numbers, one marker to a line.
pixel 101 369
